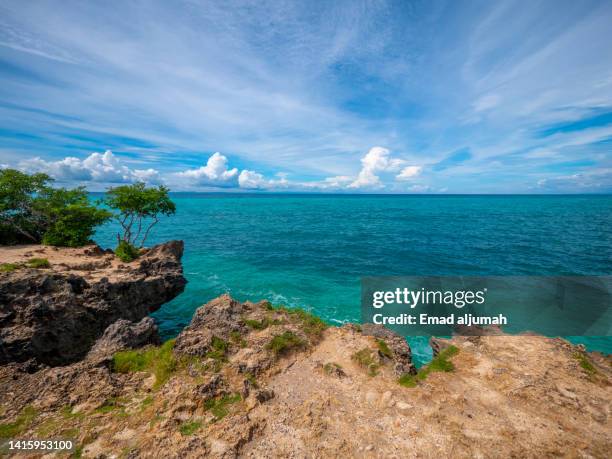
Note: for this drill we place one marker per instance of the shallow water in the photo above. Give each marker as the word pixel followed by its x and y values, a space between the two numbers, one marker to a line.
pixel 311 250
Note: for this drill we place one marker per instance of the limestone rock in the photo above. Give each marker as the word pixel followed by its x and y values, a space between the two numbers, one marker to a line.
pixel 55 316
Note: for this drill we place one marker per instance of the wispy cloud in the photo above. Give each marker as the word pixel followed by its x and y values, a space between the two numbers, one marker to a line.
pixel 309 89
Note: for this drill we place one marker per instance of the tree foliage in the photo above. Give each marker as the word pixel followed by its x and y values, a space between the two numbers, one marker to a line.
pixel 138 209
pixel 31 211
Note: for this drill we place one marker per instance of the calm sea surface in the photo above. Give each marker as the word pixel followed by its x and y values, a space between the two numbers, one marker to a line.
pixel 311 250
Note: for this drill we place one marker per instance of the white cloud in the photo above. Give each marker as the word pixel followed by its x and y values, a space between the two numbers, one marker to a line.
pixel 215 173
pixel 409 172
pixel 148 175
pixel 251 180
pixel 97 167
pixel 375 161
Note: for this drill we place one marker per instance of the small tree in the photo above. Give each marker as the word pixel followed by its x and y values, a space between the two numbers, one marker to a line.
pixel 138 210
pixel 32 211
pixel 18 220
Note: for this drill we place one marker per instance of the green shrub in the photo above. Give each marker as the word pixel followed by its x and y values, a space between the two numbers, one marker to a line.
pixel 311 324
pixel 38 263
pixel 585 363
pixel 366 358
pixel 126 252
pixel 439 363
pixel 8 267
pixel 261 324
pixel 74 226
pixel 158 360
pixel 284 343
pixel 331 367
pixel 189 428
pixel 383 348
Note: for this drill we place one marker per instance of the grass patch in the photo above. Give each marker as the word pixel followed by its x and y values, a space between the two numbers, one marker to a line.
pixel 38 263
pixel 366 358
pixel 218 352
pixel 219 407
pixel 237 339
pixel 261 324
pixel 268 306
pixel 189 428
pixel 310 324
pixel 109 406
pixel 331 367
pixel 8 267
pixel 285 343
pixel 440 363
pixel 21 424
pixel 383 348
pixel 67 413
pixel 158 360
pixel 147 402
pixel 585 363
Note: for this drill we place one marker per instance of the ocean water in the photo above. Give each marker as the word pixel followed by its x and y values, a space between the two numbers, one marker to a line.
pixel 311 250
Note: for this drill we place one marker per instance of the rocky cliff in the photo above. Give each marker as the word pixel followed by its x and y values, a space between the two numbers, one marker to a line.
pixel 252 380
pixel 52 313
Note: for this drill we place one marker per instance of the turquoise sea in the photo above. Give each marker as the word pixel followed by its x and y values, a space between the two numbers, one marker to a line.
pixel 311 250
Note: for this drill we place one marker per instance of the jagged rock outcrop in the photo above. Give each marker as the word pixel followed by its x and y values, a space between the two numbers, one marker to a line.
pixel 402 355
pixel 124 334
pixel 241 395
pixel 55 315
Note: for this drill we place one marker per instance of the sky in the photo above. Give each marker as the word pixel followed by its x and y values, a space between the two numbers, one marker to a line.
pixel 318 96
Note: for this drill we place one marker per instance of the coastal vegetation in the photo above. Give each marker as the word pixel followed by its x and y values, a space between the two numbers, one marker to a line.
pixel 440 362
pixel 21 424
pixel 38 263
pixel 284 343
pixel 310 324
pixel 31 211
pixel 587 367
pixel 158 360
pixel 137 210
pixel 366 358
pixel 219 407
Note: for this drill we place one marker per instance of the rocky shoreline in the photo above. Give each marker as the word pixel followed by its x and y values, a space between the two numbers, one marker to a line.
pixel 54 315
pixel 253 380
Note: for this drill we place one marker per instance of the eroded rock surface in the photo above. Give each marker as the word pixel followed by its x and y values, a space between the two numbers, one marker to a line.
pixel 55 315
pixel 229 388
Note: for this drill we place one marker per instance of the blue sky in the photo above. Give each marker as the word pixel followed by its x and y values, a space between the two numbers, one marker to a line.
pixel 374 96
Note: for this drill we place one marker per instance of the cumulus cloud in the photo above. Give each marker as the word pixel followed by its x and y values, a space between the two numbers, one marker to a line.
pixel 375 161
pixel 409 173
pixel 251 180
pixel 215 173
pixel 97 167
pixel 378 160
